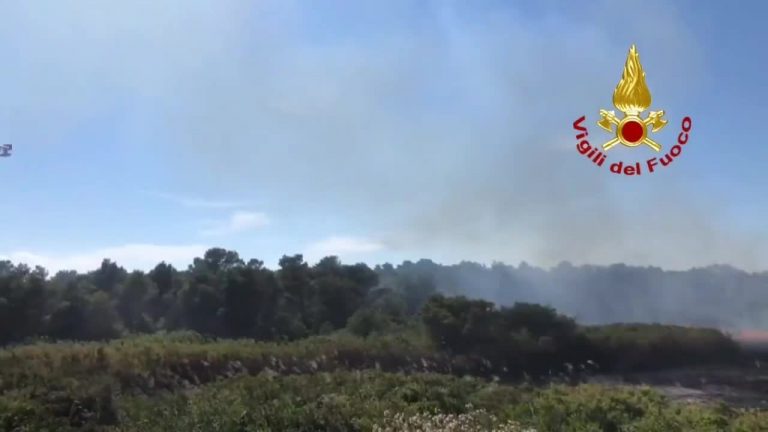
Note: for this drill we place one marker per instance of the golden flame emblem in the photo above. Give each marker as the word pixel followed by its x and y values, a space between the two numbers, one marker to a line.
pixel 632 97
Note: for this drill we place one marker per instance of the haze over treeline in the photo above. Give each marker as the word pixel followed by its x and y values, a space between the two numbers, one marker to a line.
pixel 222 294
pixel 718 296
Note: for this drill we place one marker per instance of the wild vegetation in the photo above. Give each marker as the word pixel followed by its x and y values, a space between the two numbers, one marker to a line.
pixel 340 382
pixel 117 393
pixel 229 345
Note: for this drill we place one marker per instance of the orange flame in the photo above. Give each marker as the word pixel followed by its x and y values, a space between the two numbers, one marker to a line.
pixel 632 95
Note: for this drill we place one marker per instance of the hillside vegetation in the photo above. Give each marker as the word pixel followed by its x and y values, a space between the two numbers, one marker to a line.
pixel 232 346
pixel 334 383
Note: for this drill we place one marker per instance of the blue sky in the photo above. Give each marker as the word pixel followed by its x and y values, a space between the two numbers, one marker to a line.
pixel 375 131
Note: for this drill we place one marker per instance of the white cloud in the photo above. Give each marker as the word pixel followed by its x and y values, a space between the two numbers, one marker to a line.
pixel 130 256
pixel 238 221
pixel 342 246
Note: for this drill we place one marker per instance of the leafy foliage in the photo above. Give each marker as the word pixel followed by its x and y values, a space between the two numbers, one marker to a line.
pixel 218 295
pixel 186 381
pixel 221 295
pixel 538 340
pixel 380 350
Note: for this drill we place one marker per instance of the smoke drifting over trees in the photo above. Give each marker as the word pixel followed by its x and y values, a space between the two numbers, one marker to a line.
pixel 714 296
pixel 222 294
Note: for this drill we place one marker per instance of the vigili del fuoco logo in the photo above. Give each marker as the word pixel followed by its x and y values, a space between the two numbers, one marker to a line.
pixel 632 98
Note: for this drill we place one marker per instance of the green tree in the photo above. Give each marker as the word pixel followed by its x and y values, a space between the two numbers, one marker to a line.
pixel 340 289
pixel 250 301
pixel 102 322
pixel 203 300
pixel 23 301
pixel 295 280
pixel 108 276
pixel 162 306
pixel 459 324
pixel 133 301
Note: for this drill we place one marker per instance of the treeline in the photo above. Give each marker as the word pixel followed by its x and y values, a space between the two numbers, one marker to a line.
pixel 219 294
pixel 222 295
pixel 716 296
pixel 538 340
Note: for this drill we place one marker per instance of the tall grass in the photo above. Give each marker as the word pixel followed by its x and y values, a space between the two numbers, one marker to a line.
pixel 183 381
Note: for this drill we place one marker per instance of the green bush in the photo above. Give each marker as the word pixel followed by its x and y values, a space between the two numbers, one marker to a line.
pixel 184 382
pixel 537 340
pixel 626 347
pixel 372 401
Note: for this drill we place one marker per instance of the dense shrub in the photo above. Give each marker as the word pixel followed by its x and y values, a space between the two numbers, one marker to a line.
pixel 535 339
pixel 624 347
pixel 186 382
pixel 387 402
